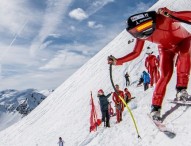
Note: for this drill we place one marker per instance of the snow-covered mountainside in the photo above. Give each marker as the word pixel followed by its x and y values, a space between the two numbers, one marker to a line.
pixel 66 112
pixel 14 104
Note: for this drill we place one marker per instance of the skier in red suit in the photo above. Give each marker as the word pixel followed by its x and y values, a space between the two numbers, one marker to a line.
pixel 127 95
pixel 118 103
pixel 172 39
pixel 152 65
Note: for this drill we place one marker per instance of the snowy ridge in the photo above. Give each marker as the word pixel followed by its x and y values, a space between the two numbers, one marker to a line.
pixel 66 112
pixel 14 104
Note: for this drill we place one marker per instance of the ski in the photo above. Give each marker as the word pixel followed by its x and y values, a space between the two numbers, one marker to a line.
pixel 163 128
pixel 180 102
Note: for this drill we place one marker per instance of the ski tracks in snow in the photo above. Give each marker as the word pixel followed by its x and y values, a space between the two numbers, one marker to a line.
pixel 91 136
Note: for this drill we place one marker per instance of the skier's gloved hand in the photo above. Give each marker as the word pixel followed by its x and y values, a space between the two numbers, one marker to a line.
pixel 165 12
pixel 111 60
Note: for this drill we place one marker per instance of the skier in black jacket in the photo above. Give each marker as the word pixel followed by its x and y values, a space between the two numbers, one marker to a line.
pixel 127 79
pixel 104 107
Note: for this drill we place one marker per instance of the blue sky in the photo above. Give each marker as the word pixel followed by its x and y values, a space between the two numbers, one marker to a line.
pixel 43 42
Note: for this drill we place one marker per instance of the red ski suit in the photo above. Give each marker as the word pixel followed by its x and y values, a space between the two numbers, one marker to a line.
pixel 127 95
pixel 172 38
pixel 118 104
pixel 152 65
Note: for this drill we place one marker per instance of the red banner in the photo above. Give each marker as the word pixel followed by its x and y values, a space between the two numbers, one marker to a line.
pixel 94 121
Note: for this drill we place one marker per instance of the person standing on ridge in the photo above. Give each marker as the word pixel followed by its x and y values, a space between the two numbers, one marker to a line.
pixel 127 79
pixel 118 103
pixel 163 28
pixel 127 95
pixel 152 65
pixel 104 105
pixel 146 80
pixel 140 81
pixel 61 142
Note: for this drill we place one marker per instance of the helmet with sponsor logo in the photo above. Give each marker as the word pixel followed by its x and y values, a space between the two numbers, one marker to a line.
pixel 142 25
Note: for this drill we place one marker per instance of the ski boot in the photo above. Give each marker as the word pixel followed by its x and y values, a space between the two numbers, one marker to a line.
pixel 155 113
pixel 104 123
pixel 107 124
pixel 181 95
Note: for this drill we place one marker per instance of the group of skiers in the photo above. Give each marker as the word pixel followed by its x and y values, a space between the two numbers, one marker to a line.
pixel 174 42
pixel 152 75
pixel 149 77
pixel 145 79
pixel 105 105
pixel 119 106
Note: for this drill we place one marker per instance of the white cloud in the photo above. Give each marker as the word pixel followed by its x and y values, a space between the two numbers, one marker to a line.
pixel 65 59
pixel 54 35
pixel 17 55
pixel 97 5
pixel 55 63
pixel 52 18
pixel 92 24
pixel 72 28
pixel 36 80
pixel 143 6
pixel 13 14
pixel 78 14
pixel 101 2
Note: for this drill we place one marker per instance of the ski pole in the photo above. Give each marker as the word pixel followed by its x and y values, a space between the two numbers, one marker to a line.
pixel 129 110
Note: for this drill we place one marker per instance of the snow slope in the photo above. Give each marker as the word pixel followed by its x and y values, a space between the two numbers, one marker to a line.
pixel 66 112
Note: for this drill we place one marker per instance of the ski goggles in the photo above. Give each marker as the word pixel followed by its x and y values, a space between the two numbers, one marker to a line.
pixel 142 25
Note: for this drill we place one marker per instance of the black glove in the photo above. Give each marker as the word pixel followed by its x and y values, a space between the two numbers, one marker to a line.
pixel 111 60
pixel 164 11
